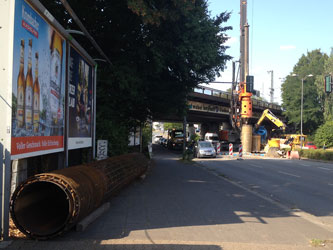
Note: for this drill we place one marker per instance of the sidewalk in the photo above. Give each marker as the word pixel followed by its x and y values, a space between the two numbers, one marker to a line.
pixel 182 206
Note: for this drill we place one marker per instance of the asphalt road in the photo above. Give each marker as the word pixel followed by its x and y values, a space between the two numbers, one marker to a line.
pixel 303 184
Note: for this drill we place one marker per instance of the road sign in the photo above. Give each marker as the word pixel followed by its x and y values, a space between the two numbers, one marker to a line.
pixel 102 149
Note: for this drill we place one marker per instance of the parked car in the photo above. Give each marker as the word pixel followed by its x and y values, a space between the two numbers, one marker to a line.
pixel 309 145
pixel 204 149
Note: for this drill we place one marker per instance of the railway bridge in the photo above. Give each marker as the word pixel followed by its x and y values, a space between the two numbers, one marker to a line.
pixel 211 108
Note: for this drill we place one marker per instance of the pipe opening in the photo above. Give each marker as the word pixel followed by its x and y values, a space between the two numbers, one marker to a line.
pixel 42 208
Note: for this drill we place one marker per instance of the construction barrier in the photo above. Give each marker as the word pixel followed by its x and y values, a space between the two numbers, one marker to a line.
pixel 240 150
pixel 231 150
pixel 218 148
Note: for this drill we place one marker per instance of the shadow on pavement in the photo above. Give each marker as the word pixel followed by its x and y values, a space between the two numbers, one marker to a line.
pixel 177 195
pixel 184 203
pixel 88 245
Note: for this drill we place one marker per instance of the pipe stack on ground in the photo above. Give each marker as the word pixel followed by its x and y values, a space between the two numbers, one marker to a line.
pixel 48 204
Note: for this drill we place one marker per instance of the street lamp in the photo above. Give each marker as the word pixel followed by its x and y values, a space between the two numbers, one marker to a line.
pixel 303 78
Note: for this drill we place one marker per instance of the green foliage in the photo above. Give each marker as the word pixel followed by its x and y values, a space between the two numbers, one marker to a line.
pixel 312 63
pixel 194 138
pixel 116 134
pixel 326 99
pixel 170 125
pixel 324 135
pixel 317 154
pixel 146 135
pixel 160 50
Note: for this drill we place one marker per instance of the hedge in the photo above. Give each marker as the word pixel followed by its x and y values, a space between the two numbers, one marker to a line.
pixel 318 154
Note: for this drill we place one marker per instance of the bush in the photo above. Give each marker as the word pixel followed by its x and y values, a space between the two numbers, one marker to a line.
pixel 317 154
pixel 324 135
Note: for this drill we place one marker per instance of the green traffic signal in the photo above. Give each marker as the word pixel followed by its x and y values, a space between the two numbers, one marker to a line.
pixel 328 84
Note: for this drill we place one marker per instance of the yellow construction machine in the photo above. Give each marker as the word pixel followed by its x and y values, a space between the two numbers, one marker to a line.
pixel 280 141
pixel 271 117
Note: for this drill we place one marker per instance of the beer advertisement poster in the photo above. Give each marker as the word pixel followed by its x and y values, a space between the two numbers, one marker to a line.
pixel 79 101
pixel 38 85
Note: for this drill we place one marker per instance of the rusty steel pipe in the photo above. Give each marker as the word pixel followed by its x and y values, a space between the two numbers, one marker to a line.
pixel 48 204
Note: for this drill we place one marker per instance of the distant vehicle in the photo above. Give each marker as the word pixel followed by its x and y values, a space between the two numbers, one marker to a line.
pixel 163 141
pixel 157 138
pixel 213 138
pixel 204 149
pixel 175 139
pixel 310 144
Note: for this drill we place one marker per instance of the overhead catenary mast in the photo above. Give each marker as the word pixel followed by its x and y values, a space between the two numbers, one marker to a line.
pixel 271 90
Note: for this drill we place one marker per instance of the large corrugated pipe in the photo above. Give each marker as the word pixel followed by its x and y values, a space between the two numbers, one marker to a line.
pixel 48 204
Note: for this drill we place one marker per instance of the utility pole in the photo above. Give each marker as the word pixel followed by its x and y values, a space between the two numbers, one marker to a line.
pixel 271 90
pixel 246 81
pixel 244 41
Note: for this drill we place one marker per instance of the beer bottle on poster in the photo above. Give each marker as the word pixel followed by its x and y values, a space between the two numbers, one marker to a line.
pixel 20 90
pixel 36 98
pixel 55 77
pixel 28 91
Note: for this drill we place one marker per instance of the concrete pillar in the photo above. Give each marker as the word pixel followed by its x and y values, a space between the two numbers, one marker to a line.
pixel 246 138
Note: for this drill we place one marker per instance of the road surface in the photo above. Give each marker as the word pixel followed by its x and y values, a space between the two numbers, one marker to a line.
pixel 298 184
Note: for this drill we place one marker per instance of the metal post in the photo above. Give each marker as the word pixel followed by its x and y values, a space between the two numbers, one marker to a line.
pixel 184 134
pixel 302 109
pixel 6 75
pixel 141 138
pixel 94 108
pixel 66 130
pixel 302 94
pixel 246 50
pixel 232 107
pixel 272 86
pixel 243 18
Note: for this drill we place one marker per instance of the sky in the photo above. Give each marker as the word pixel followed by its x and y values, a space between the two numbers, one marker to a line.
pixel 280 33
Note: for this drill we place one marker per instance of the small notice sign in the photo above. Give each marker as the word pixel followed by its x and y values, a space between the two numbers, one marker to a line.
pixel 102 149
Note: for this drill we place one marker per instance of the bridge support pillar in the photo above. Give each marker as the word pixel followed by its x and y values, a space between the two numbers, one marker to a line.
pixel 246 138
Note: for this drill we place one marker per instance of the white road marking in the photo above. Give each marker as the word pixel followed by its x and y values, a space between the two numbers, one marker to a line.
pixel 293 175
pixel 330 184
pixel 306 165
pixel 256 166
pixel 325 168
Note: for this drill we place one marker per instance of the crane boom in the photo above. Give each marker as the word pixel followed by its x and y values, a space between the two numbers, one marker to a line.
pixel 271 117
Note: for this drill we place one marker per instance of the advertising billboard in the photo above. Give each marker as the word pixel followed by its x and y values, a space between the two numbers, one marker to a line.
pixel 80 90
pixel 39 64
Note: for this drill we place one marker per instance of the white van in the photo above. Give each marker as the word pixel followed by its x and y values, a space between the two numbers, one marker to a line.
pixel 213 138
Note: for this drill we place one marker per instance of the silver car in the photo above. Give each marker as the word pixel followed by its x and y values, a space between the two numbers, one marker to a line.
pixel 205 149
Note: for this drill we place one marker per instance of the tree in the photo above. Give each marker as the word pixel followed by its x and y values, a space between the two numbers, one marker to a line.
pixel 312 63
pixel 168 126
pixel 160 50
pixel 324 135
pixel 326 99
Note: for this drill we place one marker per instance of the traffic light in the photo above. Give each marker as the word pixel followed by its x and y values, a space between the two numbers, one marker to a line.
pixel 249 84
pixel 328 84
